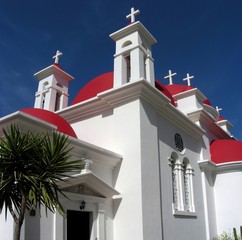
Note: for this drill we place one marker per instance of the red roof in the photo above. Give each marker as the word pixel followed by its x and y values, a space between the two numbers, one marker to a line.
pixel 207 102
pixel 164 90
pixel 62 125
pixel 58 65
pixel 226 150
pixel 221 118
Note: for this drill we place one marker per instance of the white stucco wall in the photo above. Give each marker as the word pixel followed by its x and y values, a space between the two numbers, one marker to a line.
pixel 119 131
pixel 228 198
pixel 6 226
pixel 180 227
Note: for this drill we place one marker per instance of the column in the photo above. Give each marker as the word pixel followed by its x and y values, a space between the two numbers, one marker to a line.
pixel 149 69
pixel 101 226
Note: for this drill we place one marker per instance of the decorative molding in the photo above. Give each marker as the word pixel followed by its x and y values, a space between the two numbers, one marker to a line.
pixel 209 166
pixel 184 214
pixel 82 189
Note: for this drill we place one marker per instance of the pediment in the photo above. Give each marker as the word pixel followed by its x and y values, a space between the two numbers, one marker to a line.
pixel 82 189
pixel 92 185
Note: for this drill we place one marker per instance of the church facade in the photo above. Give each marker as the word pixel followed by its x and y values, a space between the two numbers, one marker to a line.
pixel 160 161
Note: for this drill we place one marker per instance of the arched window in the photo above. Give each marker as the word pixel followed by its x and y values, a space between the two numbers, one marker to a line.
pixel 43 95
pixel 127 43
pixel 128 68
pixel 182 184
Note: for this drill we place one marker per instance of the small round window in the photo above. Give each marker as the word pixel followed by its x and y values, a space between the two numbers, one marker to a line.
pixel 179 143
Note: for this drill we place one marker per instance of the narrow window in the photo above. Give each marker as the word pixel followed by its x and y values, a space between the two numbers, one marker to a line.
pixel 57 101
pixel 43 101
pixel 128 68
pixel 188 187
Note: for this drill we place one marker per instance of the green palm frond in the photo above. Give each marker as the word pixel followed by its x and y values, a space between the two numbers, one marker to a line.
pixel 32 164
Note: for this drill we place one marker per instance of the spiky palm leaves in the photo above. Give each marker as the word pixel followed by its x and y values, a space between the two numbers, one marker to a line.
pixel 31 164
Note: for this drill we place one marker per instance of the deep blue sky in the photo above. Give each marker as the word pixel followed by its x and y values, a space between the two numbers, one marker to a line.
pixel 203 38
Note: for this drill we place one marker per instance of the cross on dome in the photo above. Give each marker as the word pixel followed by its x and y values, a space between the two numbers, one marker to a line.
pixel 133 14
pixel 188 79
pixel 218 109
pixel 169 76
pixel 57 56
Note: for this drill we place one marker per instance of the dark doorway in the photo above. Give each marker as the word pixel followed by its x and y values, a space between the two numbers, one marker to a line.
pixel 78 225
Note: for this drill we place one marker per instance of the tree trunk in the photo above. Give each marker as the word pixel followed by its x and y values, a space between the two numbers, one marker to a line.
pixel 19 220
pixel 17 231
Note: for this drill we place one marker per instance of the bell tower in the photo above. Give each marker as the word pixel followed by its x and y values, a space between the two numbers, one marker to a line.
pixel 133 57
pixel 52 91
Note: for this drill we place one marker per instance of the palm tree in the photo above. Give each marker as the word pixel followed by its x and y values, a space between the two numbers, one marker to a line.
pixel 31 165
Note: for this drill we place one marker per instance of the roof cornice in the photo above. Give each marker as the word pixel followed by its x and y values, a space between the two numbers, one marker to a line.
pixel 53 69
pixel 209 166
pixel 202 116
pixel 81 148
pixel 136 26
pixel 127 93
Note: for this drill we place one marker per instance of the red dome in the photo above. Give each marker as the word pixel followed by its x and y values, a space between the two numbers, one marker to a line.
pixel 95 86
pixel 62 125
pixel 177 88
pixel 105 82
pixel 226 150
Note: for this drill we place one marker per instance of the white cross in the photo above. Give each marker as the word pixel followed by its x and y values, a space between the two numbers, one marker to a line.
pixel 218 109
pixel 57 56
pixel 188 79
pixel 170 75
pixel 132 14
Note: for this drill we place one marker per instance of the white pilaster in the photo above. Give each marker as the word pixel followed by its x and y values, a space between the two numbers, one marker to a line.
pixel 120 71
pixel 137 65
pixel 149 69
pixel 101 227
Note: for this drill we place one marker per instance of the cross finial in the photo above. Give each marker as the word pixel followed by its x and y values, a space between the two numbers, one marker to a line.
pixel 169 76
pixel 188 79
pixel 57 56
pixel 218 109
pixel 133 14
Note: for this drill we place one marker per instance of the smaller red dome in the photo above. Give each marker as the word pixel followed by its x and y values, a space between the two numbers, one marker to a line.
pixel 62 125
pixel 177 88
pixel 226 150
pixel 162 88
pixel 97 85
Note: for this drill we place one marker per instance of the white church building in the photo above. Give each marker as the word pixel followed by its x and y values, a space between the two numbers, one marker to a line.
pixel 160 161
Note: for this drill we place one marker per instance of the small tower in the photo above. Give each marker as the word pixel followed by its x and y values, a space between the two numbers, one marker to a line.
pixel 133 57
pixel 52 91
